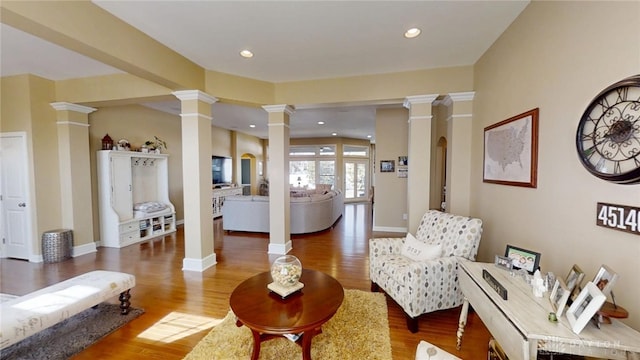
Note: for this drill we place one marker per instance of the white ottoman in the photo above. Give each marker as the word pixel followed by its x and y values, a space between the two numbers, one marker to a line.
pixel 426 351
pixel 26 315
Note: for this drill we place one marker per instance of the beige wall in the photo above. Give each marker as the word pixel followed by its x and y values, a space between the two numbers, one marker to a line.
pixel 390 190
pixel 220 141
pixel 557 56
pixel 25 107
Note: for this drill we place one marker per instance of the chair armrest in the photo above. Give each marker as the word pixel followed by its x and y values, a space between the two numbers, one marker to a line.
pixel 444 269
pixel 385 246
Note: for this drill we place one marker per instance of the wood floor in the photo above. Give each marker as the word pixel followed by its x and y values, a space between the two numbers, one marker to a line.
pixel 164 289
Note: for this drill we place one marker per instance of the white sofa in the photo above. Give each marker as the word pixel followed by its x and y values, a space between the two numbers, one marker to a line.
pixel 309 213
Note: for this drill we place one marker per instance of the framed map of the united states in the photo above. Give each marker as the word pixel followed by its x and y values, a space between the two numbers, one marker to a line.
pixel 511 151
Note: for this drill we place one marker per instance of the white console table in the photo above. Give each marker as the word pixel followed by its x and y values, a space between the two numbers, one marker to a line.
pixel 520 324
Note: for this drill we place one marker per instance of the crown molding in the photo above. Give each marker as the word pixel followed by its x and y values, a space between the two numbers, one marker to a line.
pixel 61 106
pixel 462 96
pixel 194 95
pixel 278 109
pixel 419 99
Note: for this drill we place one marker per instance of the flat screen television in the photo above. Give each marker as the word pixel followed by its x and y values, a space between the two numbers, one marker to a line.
pixel 221 170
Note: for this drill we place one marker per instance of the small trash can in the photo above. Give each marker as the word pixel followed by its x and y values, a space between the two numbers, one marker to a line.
pixel 57 245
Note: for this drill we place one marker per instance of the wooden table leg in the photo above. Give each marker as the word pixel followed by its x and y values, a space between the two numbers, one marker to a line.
pixel 462 322
pixel 255 353
pixel 306 343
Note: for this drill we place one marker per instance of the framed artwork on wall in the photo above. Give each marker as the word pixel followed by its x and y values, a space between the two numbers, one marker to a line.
pixel 387 166
pixel 511 151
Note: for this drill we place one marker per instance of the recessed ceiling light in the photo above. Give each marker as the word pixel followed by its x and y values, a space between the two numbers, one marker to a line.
pixel 246 54
pixel 411 33
pixel 334 134
pixel 252 125
pixel 320 122
pixel 368 136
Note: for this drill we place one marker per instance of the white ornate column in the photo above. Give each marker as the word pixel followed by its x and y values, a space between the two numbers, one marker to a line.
pixel 420 143
pixel 279 201
pixel 75 178
pixel 459 133
pixel 196 179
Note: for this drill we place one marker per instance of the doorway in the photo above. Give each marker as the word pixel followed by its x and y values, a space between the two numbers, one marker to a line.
pixel 15 216
pixel 356 182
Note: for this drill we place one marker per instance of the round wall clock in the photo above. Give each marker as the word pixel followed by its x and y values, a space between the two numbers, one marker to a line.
pixel 608 136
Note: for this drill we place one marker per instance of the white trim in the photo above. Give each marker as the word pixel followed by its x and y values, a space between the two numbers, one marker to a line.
pixel 419 99
pixel 278 124
pixel 71 123
pixel 390 229
pixel 194 95
pixel 36 258
pixel 420 117
pixel 461 116
pixel 280 249
pixel 278 108
pixel 462 96
pixel 198 115
pixel 84 249
pixel 199 265
pixel 72 107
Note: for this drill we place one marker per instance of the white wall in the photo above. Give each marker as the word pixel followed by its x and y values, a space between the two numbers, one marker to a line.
pixel 558 56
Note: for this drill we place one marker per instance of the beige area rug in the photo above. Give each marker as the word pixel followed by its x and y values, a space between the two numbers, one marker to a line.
pixel 359 330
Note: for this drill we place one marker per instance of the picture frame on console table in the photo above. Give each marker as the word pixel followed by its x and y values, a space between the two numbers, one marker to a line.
pixel 523 259
pixel 585 306
pixel 504 262
pixel 559 296
pixel 574 280
pixel 605 279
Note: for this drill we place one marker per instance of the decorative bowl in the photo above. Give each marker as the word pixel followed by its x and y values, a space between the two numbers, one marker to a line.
pixel 286 271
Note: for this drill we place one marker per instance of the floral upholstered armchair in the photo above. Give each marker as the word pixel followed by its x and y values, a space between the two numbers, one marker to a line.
pixel 421 273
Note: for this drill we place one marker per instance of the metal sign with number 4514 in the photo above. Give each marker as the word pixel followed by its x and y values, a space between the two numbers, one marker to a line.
pixel 619 217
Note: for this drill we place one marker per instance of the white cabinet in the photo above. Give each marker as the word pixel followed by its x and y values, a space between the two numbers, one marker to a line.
pixel 217 198
pixel 128 178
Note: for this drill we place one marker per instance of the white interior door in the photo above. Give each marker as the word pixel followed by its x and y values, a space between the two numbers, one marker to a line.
pixel 356 182
pixel 15 218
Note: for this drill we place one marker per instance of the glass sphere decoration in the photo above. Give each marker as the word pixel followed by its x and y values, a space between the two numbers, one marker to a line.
pixel 286 271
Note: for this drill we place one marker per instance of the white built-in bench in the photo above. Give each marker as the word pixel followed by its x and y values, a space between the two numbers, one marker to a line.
pixel 26 315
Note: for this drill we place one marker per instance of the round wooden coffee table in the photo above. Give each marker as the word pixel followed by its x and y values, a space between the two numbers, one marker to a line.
pixel 268 315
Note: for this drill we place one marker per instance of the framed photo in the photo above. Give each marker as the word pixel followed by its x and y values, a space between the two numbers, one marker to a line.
pixel 559 296
pixel 523 259
pixel 504 262
pixel 574 279
pixel 387 166
pixel 511 151
pixel 605 279
pixel 584 307
pixel 403 161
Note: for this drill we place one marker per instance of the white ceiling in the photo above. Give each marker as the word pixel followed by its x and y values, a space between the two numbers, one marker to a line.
pixel 291 40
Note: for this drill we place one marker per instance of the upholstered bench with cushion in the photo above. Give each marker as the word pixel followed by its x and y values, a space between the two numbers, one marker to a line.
pixel 26 315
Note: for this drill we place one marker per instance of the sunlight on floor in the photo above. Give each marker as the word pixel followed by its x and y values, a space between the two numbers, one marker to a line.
pixel 177 325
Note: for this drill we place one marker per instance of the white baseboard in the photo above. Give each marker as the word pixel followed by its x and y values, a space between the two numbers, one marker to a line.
pixel 84 249
pixel 390 229
pixel 199 265
pixel 280 249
